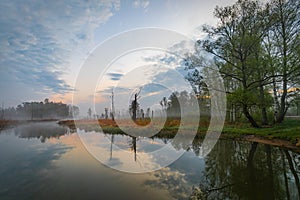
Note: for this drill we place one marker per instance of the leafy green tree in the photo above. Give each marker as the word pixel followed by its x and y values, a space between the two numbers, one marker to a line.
pixel 286 44
pixel 235 45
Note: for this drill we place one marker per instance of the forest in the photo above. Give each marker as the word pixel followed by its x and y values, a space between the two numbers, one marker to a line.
pixel 39 111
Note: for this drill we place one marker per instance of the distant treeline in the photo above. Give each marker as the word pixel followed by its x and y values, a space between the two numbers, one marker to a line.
pixel 39 111
pixel 184 103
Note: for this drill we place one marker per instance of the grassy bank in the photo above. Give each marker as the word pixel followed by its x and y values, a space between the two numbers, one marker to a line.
pixel 288 130
pixel 109 126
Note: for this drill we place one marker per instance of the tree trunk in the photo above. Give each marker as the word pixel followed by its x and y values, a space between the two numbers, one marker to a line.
pixel 249 117
pixel 264 116
pixel 264 119
pixel 283 106
pixel 134 108
pixel 275 96
pixel 284 34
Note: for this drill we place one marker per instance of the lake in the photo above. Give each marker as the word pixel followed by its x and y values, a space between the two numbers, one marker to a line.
pixel 46 161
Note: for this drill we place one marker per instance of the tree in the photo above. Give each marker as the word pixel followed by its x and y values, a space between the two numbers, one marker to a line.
pixel 73 111
pixel 174 106
pixel 46 101
pixel 164 104
pixel 112 106
pixel 39 110
pixel 142 114
pixel 193 64
pixel 2 113
pixel 134 107
pixel 235 44
pixel 89 112
pixel 106 113
pixel 148 113
pixel 286 37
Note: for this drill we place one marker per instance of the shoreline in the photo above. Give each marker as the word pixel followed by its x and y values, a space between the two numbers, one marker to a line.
pixel 276 142
pixel 239 133
pixel 227 133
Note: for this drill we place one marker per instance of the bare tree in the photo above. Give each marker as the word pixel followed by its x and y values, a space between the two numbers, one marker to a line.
pixel 135 105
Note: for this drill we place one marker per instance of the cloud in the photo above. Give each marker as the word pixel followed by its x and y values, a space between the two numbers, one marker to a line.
pixel 66 97
pixel 115 76
pixel 37 38
pixel 174 55
pixel 141 4
pixel 114 162
pixel 115 89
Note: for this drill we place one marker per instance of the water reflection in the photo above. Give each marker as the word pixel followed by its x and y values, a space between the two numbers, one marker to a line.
pixel 242 170
pixel 26 165
pixel 233 170
pixel 60 167
pixel 42 131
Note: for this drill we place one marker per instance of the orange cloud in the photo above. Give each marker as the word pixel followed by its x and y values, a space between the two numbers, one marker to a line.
pixel 65 98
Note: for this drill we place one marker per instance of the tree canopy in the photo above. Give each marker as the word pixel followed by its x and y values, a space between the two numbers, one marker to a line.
pixel 256 49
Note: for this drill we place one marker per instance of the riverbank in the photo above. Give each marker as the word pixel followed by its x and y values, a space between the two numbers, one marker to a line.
pixel 288 130
pixel 285 135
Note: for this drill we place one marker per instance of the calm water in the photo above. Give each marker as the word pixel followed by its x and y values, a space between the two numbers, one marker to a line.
pixel 47 161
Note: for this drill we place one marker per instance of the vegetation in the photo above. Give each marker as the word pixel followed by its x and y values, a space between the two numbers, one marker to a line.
pixel 256 48
pixel 39 111
pixel 289 130
pixel 287 133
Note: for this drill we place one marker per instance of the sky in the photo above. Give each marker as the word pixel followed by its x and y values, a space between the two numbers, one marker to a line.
pixel 44 44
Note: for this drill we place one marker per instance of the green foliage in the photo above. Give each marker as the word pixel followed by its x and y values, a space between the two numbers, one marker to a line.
pixel 241 96
pixel 256 48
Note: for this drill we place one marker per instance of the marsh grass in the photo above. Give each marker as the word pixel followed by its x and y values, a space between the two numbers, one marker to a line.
pixel 288 130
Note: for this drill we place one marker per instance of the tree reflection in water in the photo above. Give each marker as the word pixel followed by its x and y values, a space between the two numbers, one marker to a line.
pixel 42 131
pixel 232 170
pixel 242 170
